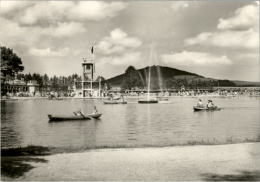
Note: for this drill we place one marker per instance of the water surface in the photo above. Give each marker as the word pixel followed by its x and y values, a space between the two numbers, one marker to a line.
pixel 25 122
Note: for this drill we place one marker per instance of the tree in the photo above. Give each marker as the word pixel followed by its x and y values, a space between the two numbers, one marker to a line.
pixel 54 83
pixel 45 79
pixel 101 78
pixel 38 78
pixel 131 79
pixel 27 77
pixel 10 63
pixel 171 83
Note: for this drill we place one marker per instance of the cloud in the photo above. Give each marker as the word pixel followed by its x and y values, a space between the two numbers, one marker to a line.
pixel 186 58
pixel 252 57
pixel 248 39
pixel 10 6
pixel 239 31
pixel 110 65
pixel 178 5
pixel 12 33
pixel 95 10
pixel 244 18
pixel 65 29
pixel 125 59
pixel 117 42
pixel 48 52
pixel 56 11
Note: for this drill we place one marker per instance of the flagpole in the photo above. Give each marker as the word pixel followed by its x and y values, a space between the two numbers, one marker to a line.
pixel 93 58
pixel 93 69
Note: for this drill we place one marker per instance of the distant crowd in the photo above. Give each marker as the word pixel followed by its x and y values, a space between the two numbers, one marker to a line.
pixel 224 93
pixel 200 93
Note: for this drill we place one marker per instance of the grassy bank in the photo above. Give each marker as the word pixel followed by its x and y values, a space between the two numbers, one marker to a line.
pixel 234 162
pixel 14 161
pixel 30 150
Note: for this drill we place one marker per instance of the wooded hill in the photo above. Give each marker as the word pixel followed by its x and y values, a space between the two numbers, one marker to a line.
pixel 167 78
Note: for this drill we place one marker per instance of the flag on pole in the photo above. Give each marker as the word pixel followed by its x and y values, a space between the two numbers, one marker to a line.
pixel 92 51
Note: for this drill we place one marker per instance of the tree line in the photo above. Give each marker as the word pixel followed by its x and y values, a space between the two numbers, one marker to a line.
pixel 11 67
pixel 54 83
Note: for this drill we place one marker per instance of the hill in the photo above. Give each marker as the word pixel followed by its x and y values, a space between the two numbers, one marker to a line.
pixel 246 83
pixel 165 72
pixel 166 78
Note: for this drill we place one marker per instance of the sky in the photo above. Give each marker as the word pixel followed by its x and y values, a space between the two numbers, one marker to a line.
pixel 216 39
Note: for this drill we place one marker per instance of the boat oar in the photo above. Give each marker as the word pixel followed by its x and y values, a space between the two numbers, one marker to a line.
pixel 86 116
pixel 82 114
pixel 90 117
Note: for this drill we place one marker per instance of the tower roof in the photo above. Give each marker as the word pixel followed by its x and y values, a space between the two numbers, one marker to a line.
pixel 86 61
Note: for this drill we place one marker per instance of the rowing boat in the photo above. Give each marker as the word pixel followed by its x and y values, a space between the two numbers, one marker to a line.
pixel 148 101
pixel 206 108
pixel 115 102
pixel 164 100
pixel 73 117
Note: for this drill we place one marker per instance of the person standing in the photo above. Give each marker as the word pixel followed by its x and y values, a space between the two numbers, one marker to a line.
pixel 200 103
pixel 210 104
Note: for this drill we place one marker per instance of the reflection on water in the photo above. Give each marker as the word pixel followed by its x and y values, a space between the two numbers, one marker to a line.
pixel 241 176
pixel 26 123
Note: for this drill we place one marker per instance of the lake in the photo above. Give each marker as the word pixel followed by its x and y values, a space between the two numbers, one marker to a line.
pixel 25 122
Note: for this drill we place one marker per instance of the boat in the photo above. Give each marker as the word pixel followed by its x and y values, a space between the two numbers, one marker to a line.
pixel 74 117
pixel 195 108
pixel 115 102
pixel 148 101
pixel 55 98
pixel 9 99
pixel 164 100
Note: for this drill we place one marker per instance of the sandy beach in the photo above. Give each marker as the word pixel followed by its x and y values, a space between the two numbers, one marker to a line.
pixel 232 161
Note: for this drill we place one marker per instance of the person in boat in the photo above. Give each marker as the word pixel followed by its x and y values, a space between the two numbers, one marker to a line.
pixel 200 103
pixel 210 104
pixel 95 111
pixel 78 113
pixel 122 98
pixel 111 97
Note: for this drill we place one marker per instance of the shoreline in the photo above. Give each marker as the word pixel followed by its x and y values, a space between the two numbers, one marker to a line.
pixel 198 162
pixel 126 97
pixel 37 150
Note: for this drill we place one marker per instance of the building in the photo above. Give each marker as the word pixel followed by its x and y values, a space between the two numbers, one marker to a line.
pixel 33 87
pixel 16 87
pixel 89 86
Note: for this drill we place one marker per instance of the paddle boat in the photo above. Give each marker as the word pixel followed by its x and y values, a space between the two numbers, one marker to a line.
pixel 9 99
pixel 54 98
pixel 76 116
pixel 115 102
pixel 164 100
pixel 215 108
pixel 150 100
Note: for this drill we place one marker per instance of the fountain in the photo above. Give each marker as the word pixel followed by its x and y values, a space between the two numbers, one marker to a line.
pixel 148 99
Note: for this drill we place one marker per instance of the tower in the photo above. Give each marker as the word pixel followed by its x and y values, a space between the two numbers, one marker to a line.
pixel 89 86
pixel 88 70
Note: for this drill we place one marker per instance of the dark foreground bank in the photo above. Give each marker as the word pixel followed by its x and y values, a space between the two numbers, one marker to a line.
pixel 209 162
